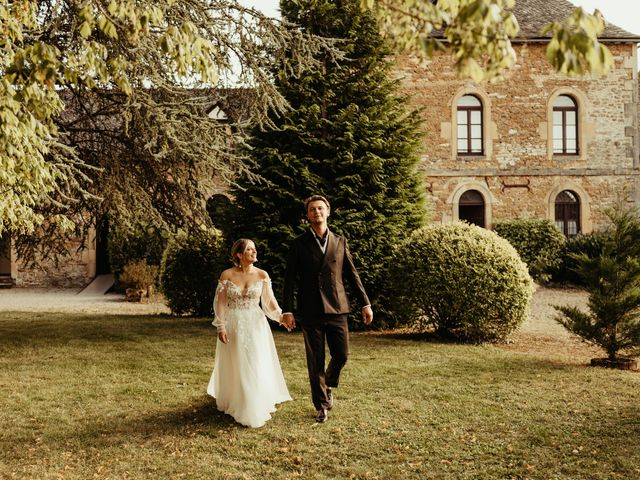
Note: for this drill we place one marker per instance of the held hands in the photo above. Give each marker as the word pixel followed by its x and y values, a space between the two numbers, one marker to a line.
pixel 288 321
pixel 367 315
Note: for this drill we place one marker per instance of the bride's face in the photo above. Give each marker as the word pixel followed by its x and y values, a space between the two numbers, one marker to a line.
pixel 250 254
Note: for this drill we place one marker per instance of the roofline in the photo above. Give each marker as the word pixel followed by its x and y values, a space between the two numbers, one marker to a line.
pixel 633 39
pixel 600 39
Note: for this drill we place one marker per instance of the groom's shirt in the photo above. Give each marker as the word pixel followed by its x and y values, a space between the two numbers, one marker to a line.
pixel 322 241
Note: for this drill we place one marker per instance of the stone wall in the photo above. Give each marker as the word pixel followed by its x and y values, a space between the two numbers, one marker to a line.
pixel 518 172
pixel 73 271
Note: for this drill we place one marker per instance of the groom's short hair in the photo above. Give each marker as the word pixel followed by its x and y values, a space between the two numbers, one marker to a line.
pixel 315 198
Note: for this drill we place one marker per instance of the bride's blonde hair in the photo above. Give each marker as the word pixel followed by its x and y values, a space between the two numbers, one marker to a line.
pixel 239 246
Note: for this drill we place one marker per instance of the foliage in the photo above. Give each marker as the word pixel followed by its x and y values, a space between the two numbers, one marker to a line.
pixel 190 265
pixel 463 281
pixel 144 243
pixel 612 278
pixel 538 242
pixel 574 48
pixel 348 137
pixel 590 244
pixel 100 103
pixel 139 275
pixel 478 34
pixel 51 44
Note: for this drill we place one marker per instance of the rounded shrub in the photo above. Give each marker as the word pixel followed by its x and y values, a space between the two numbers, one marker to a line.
pixel 465 282
pixel 138 274
pixel 190 265
pixel 538 242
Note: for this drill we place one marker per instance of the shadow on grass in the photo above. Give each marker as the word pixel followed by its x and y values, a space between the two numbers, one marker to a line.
pixel 200 418
pixel 200 415
pixel 467 357
pixel 45 329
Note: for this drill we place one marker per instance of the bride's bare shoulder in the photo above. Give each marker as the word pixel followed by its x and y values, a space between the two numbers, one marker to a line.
pixel 226 275
pixel 262 274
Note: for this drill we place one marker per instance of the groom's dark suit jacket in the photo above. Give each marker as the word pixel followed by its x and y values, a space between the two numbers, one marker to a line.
pixel 319 277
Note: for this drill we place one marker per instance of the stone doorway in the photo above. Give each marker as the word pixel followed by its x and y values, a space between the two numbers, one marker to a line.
pixel 5 262
pixel 102 246
pixel 471 208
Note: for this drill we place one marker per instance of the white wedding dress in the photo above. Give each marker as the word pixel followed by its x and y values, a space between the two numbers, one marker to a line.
pixel 247 381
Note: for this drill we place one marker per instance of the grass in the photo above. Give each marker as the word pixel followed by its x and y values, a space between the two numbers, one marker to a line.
pixel 122 397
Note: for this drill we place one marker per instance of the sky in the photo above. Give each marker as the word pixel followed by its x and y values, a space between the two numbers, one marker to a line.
pixel 623 13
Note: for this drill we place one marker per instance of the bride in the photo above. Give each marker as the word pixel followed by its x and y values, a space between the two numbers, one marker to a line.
pixel 247 381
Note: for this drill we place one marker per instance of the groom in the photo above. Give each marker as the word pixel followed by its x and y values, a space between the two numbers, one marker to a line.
pixel 318 261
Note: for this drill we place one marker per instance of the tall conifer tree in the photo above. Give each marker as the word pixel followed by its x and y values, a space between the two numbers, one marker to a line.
pixel 347 136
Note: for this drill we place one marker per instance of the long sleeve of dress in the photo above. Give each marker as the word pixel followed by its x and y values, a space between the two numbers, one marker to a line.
pixel 220 306
pixel 269 303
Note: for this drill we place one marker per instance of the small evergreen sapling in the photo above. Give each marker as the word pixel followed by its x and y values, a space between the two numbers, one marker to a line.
pixel 612 278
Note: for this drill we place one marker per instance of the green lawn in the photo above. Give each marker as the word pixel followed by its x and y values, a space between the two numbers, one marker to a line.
pixel 86 397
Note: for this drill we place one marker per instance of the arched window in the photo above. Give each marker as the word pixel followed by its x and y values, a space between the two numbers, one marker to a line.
pixel 565 126
pixel 469 122
pixel 471 208
pixel 567 215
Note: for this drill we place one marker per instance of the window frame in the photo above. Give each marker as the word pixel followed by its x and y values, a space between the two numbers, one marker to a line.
pixel 570 211
pixel 563 110
pixel 468 109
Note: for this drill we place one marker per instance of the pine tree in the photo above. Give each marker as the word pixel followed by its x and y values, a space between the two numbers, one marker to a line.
pixel 612 278
pixel 348 136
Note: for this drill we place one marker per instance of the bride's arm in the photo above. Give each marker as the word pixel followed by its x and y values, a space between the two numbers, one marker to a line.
pixel 220 306
pixel 268 301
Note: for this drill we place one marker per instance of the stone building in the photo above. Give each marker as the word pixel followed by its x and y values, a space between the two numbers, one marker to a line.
pixel 536 144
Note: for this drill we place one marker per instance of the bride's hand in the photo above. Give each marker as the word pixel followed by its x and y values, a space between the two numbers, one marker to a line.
pixel 289 321
pixel 222 336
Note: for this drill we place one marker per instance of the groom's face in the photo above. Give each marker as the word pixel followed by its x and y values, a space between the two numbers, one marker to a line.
pixel 317 212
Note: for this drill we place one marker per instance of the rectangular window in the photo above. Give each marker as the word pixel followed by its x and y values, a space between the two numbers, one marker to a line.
pixel 565 126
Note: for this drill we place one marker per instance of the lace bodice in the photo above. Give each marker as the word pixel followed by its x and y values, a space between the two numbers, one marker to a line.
pixel 243 299
pixel 229 296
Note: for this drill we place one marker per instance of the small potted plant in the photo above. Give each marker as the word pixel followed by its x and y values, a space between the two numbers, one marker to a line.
pixel 138 278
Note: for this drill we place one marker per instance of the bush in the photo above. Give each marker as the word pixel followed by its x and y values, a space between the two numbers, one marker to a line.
pixel 190 265
pixel 145 243
pixel 465 282
pixel 139 275
pixel 538 242
pixel 590 245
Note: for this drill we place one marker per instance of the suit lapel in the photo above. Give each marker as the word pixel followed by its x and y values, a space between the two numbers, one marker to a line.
pixel 331 247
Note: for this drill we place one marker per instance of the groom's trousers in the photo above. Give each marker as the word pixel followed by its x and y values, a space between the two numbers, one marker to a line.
pixel 332 330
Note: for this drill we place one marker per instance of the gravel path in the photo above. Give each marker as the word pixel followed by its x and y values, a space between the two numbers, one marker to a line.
pixel 68 300
pixel 541 319
pixel 39 300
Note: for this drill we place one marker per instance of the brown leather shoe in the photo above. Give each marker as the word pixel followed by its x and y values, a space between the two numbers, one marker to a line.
pixel 322 416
